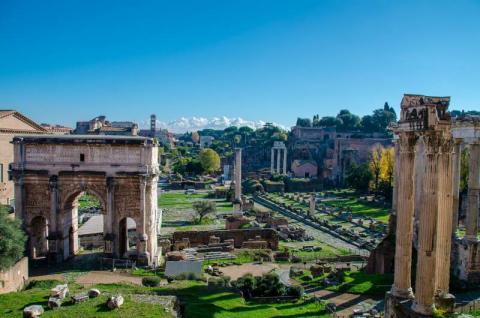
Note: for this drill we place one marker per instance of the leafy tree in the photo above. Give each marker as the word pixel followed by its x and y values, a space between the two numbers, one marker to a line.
pixel 347 121
pixel 375 165
pixel 328 121
pixel 209 160
pixel 204 207
pixel 194 167
pixel 359 177
pixel 304 122
pixel 386 171
pixel 12 240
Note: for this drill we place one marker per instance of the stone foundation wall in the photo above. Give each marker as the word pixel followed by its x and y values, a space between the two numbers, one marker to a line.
pixel 15 278
pixel 239 236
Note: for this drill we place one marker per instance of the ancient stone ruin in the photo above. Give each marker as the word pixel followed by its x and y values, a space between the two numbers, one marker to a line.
pixel 51 172
pixel 423 133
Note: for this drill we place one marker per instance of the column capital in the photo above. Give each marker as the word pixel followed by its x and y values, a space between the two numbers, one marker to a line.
pixel 111 182
pixel 53 182
pixel 435 143
pixel 406 142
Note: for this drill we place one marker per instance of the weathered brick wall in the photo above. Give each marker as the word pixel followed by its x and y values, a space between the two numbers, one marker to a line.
pixel 14 278
pixel 6 156
pixel 239 236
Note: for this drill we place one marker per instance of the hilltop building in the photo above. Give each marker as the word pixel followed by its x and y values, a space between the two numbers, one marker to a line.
pixel 100 126
pixel 163 136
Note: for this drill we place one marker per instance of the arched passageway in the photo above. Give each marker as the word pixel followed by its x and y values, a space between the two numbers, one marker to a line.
pixel 38 237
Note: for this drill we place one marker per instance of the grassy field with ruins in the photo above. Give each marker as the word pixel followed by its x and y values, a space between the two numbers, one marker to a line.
pixel 199 300
pixel 179 215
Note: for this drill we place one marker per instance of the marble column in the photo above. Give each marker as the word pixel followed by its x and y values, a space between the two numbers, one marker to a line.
pixel 19 192
pixel 272 161
pixel 473 193
pixel 456 175
pixel 238 174
pixel 426 269
pixel 284 161
pixel 311 211
pixel 142 238
pixel 445 217
pixel 405 206
pixel 278 160
pixel 395 178
pixel 111 245
pixel 53 234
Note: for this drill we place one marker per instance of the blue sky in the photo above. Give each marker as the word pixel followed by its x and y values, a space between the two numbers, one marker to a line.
pixel 63 61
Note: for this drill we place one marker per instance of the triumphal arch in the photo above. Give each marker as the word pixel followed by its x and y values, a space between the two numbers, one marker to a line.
pixel 51 172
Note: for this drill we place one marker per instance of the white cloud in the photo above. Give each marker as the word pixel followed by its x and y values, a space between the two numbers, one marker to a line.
pixel 184 124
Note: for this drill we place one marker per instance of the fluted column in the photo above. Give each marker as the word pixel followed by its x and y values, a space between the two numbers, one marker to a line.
pixel 278 160
pixel 426 269
pixel 395 178
pixel 238 174
pixel 284 161
pixel 456 170
pixel 405 205
pixel 54 229
pixel 272 161
pixel 142 237
pixel 445 216
pixel 111 245
pixel 19 188
pixel 473 193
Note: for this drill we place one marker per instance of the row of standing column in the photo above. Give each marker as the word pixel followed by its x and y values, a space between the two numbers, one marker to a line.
pixel 435 225
pixel 279 159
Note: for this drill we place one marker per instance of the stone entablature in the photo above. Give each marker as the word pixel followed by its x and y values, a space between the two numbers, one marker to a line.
pixel 50 172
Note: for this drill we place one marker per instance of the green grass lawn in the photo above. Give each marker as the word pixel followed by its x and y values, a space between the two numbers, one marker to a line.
pixel 373 210
pixel 200 302
pixel 355 283
pixel 180 200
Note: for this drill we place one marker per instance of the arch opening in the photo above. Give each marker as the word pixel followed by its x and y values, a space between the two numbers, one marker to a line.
pixel 128 238
pixel 83 224
pixel 38 238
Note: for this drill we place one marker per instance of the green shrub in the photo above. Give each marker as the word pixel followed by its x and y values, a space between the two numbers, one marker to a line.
pixel 296 291
pixel 151 281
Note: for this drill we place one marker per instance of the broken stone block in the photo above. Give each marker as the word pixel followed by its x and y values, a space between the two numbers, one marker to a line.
pixel 93 293
pixel 78 298
pixel 115 302
pixel 54 302
pixel 60 291
pixel 33 311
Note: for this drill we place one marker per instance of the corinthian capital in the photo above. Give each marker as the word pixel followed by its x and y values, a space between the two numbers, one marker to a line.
pixel 406 142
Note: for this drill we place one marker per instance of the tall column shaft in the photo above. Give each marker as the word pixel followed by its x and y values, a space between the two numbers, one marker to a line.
pixel 238 174
pixel 473 193
pixel 272 161
pixel 108 219
pixel 278 160
pixel 445 218
pixel 284 161
pixel 426 269
pixel 456 166
pixel 395 178
pixel 405 205
pixel 54 228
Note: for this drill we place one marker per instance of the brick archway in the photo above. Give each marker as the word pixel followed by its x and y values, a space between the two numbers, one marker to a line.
pixel 50 172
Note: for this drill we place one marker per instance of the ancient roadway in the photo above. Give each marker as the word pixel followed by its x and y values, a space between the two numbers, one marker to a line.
pixel 324 237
